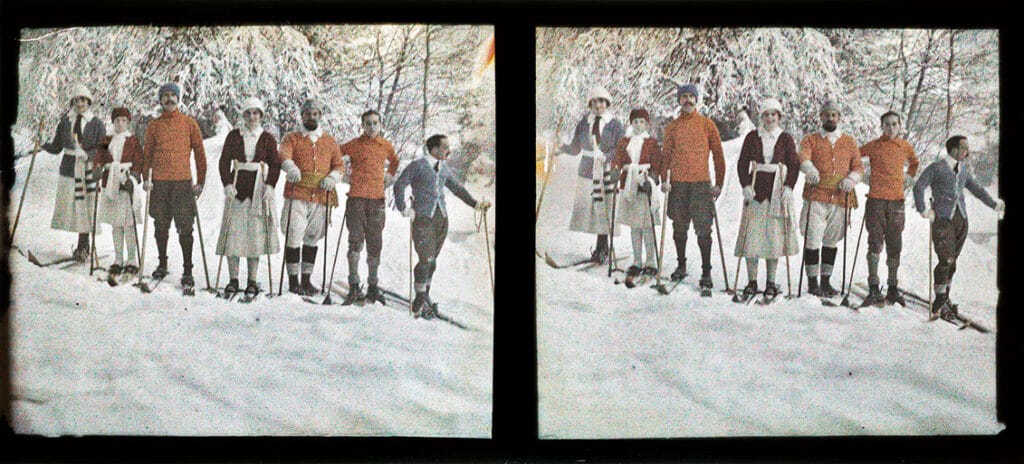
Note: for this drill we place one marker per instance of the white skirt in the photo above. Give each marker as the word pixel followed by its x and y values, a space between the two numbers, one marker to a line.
pixel 248 232
pixel 117 211
pixel 633 210
pixel 68 213
pixel 767 236
pixel 590 216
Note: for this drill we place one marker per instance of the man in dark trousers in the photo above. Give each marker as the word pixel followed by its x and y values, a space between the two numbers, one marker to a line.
pixel 947 178
pixel 368 157
pixel 169 141
pixel 690 140
pixel 428 176
pixel 883 213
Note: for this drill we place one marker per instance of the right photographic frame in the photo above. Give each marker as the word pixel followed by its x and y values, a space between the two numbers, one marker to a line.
pixel 757 231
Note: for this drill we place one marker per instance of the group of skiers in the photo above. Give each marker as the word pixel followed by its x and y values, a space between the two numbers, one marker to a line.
pixel 98 174
pixel 619 176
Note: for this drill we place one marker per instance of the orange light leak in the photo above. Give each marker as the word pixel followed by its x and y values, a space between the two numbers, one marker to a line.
pixel 486 57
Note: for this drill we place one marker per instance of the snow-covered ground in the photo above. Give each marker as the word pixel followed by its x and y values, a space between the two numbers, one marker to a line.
pixel 630 363
pixel 91 359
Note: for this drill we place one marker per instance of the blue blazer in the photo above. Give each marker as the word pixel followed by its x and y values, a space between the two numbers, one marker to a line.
pixel 613 131
pixel 427 191
pixel 947 190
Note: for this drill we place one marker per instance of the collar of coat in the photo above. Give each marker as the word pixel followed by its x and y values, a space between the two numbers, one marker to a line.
pixel 251 133
pixel 949 160
pixel 86 116
pixel 774 133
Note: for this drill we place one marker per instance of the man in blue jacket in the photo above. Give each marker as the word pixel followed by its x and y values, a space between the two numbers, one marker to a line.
pixel 428 176
pixel 947 178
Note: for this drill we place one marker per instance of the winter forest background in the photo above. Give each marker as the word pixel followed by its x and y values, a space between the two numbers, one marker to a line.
pixel 943 82
pixel 423 79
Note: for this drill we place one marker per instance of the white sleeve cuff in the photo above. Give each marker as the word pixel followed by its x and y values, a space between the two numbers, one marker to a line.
pixel 806 166
pixel 288 164
pixel 855 176
pixel 335 175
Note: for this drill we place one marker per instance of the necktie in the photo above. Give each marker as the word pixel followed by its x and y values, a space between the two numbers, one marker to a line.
pixel 78 128
pixel 596 130
pixel 956 168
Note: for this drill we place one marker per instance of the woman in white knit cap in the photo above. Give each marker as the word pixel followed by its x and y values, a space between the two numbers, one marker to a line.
pixel 249 168
pixel 768 168
pixel 79 135
pixel 595 137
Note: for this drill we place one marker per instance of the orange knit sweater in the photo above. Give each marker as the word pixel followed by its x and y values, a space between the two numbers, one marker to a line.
pixel 169 140
pixel 833 164
pixel 888 157
pixel 367 156
pixel 688 139
pixel 315 161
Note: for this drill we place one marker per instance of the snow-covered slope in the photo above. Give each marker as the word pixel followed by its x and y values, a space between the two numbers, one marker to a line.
pixel 618 362
pixel 90 359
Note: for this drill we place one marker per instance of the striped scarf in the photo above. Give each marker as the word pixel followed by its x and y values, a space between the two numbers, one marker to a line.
pixel 85 181
pixel 603 185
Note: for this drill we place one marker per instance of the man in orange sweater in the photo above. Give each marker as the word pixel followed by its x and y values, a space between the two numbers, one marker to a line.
pixel 169 141
pixel 312 164
pixel 884 210
pixel 832 167
pixel 691 196
pixel 367 157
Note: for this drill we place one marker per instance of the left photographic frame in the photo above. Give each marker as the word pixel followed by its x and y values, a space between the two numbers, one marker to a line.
pixel 331 270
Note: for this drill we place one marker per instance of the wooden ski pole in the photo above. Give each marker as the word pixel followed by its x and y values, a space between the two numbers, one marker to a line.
pixel 284 258
pixel 202 247
pixel 931 225
pixel 487 243
pixel 807 226
pixel 337 251
pixel 411 275
pixel 327 229
pixel 227 219
pixel 268 219
pixel 664 222
pixel 93 260
pixel 853 268
pixel 547 176
pixel 28 177
pixel 721 251
pixel 736 279
pixel 145 232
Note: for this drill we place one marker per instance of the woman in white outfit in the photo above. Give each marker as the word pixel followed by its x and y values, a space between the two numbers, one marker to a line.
pixel 768 167
pixel 249 168
pixel 638 156
pixel 121 157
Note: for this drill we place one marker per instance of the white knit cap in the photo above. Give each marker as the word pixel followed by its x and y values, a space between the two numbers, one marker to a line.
pixel 81 90
pixel 599 92
pixel 771 104
pixel 252 102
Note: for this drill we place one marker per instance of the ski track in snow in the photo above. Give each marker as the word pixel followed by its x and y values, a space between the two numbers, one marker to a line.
pixel 631 363
pixel 91 359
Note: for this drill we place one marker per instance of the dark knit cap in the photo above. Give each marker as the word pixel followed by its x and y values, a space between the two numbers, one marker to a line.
pixel 687 88
pixel 639 113
pixel 120 111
